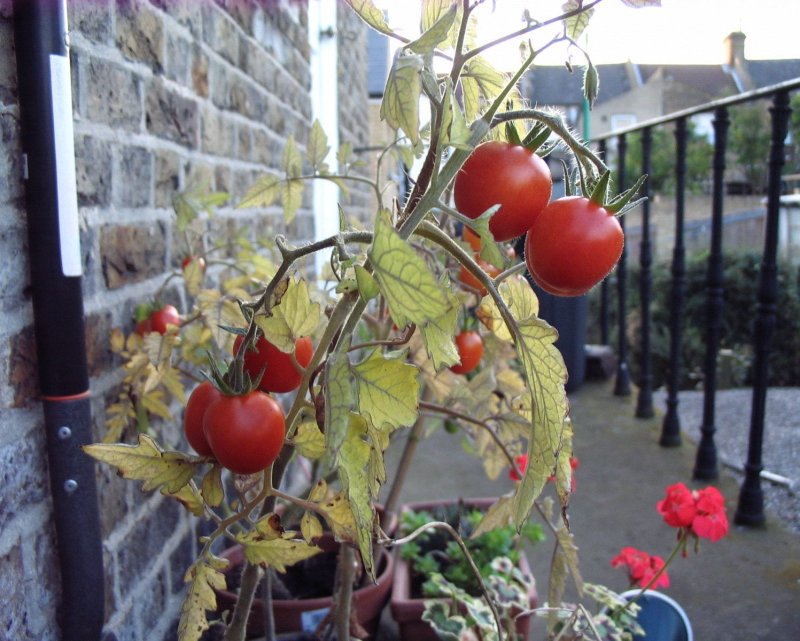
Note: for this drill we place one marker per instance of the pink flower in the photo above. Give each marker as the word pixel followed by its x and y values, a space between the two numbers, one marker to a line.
pixel 642 567
pixel 678 507
pixel 522 463
pixel 711 522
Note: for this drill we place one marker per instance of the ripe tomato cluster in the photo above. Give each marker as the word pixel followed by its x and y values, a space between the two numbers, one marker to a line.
pixel 158 320
pixel 243 432
pixel 571 243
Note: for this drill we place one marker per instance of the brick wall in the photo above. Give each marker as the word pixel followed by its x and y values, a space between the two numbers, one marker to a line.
pixel 165 93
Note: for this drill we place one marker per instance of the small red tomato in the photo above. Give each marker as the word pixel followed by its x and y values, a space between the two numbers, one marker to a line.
pixel 572 246
pixel 245 432
pixel 144 327
pixel 198 260
pixel 500 173
pixel 167 315
pixel 472 238
pixel 470 349
pixel 280 374
pixel 201 397
pixel 467 277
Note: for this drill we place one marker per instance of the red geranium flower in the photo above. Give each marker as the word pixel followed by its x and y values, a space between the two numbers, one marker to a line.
pixel 711 522
pixel 642 567
pixel 678 507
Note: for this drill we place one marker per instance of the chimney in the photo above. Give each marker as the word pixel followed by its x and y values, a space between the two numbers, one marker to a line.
pixel 733 48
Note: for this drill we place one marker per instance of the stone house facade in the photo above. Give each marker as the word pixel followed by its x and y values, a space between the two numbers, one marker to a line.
pixel 165 93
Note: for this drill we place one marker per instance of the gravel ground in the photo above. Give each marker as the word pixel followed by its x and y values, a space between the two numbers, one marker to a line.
pixel 781 451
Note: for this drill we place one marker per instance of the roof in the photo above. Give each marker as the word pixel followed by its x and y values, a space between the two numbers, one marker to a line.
pixel 711 80
pixel 770 72
pixel 551 85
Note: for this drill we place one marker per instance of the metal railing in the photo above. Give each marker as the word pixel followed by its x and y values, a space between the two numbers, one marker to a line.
pixel 750 509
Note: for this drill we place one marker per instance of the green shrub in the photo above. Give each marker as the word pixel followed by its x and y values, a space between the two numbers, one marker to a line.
pixel 735 360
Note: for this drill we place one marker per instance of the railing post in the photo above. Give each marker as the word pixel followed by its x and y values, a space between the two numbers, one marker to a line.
pixel 604 294
pixel 622 385
pixel 750 510
pixel 671 427
pixel 644 401
pixel 706 461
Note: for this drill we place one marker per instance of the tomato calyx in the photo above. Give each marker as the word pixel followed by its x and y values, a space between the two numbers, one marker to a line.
pixel 598 193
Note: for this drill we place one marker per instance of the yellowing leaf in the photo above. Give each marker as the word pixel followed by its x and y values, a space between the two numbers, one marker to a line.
pixel 339 400
pixel 387 389
pixel 292 198
pixel 310 527
pixel 309 441
pixel 405 280
pixel 291 160
pixel 354 457
pixel 340 519
pixel 296 316
pixel 147 462
pixel 189 497
pixel 263 193
pixel 400 105
pixel 520 299
pixel 277 553
pixel 455 131
pixel 546 375
pixel 193 276
pixel 481 83
pixel 437 334
pixel 436 32
pixel 317 148
pixel 153 402
pixel 575 25
pixel 212 490
pixel 370 14
pixel 498 515
pixel 203 577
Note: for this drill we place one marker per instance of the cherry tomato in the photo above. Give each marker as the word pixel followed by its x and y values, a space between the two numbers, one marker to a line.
pixel 201 397
pixel 572 246
pixel 160 318
pixel 245 432
pixel 144 327
pixel 472 238
pixel 470 349
pixel 280 374
pixel 467 277
pixel 499 173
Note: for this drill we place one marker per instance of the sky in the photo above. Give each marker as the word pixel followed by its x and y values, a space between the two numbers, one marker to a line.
pixel 680 31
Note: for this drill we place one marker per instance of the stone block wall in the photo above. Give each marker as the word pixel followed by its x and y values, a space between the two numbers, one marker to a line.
pixel 166 93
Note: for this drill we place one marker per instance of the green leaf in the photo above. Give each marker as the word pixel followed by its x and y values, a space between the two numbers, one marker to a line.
pixel 317 148
pixel 292 197
pixel 437 334
pixel 296 316
pixel 387 389
pixel 367 286
pixel 436 33
pixel 147 462
pixel 591 84
pixel 455 131
pixel 354 458
pixel 263 193
pixel 292 161
pixel 370 14
pixel 574 26
pixel 203 577
pixel 339 400
pixel 411 290
pixel 400 105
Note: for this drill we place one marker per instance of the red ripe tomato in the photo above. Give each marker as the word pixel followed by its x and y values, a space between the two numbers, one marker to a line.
pixel 467 277
pixel 245 432
pixel 572 246
pixel 280 374
pixel 470 349
pixel 472 238
pixel 505 174
pixel 199 260
pixel 160 318
pixel 144 327
pixel 201 397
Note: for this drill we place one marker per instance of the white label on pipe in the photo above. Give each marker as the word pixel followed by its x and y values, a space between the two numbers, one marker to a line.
pixel 67 193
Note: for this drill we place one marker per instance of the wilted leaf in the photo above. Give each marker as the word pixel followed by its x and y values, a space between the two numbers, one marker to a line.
pixel 277 553
pixel 147 462
pixel 309 441
pixel 189 496
pixel 310 527
pixel 387 389
pixel 498 515
pixel 294 317
pixel 203 577
pixel 400 105
pixel 411 290
pixel 212 490
pixel 340 519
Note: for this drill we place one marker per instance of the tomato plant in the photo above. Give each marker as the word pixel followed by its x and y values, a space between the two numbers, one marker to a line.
pixel 245 432
pixel 201 397
pixel 468 278
pixel 509 175
pixel 572 246
pixel 161 318
pixel 198 260
pixel 280 374
pixel 470 351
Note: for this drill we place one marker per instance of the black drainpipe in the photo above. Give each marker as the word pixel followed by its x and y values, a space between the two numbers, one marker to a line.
pixel 44 85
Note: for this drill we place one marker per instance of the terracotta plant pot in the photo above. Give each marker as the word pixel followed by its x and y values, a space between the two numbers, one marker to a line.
pixel 304 614
pixel 407 611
